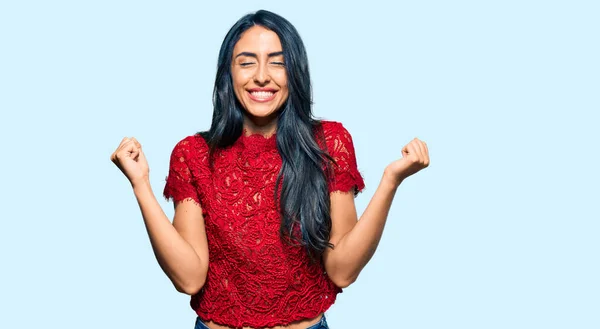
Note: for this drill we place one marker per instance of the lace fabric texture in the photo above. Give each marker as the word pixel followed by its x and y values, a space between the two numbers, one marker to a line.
pixel 254 278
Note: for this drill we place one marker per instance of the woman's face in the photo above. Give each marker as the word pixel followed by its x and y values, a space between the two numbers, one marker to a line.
pixel 258 72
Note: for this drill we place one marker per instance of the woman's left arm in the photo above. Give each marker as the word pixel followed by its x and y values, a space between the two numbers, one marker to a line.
pixel 355 241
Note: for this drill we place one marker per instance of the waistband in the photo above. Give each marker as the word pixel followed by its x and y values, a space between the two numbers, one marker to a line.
pixel 322 324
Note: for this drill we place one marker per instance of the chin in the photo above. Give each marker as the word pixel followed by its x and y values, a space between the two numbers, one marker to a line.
pixel 261 113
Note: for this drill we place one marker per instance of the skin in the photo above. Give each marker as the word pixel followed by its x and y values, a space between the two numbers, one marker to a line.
pixel 181 248
pixel 258 63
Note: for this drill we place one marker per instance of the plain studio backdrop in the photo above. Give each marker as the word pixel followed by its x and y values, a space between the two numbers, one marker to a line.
pixel 501 231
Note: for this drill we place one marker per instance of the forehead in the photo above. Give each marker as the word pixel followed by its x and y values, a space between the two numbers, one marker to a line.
pixel 258 39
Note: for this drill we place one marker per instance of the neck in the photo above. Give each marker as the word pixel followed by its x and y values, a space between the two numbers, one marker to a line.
pixel 262 126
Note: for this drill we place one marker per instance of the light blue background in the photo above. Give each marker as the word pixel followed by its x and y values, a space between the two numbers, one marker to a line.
pixel 501 231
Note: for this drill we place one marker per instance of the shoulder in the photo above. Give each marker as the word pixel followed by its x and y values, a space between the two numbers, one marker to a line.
pixel 340 147
pixel 336 135
pixel 332 127
pixel 193 144
pixel 191 151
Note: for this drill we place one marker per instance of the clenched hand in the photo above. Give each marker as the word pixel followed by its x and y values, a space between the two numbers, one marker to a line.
pixel 130 158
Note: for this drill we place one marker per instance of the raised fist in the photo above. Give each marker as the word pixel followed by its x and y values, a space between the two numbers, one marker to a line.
pixel 415 156
pixel 130 158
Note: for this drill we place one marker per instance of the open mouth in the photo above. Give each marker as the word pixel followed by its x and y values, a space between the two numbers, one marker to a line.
pixel 262 95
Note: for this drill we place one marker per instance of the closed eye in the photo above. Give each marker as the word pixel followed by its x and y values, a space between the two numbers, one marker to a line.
pixel 246 64
pixel 278 63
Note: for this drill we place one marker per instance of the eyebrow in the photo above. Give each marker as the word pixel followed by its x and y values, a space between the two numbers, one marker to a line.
pixel 249 54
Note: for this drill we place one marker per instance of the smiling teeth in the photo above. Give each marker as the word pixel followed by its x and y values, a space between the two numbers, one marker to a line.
pixel 262 94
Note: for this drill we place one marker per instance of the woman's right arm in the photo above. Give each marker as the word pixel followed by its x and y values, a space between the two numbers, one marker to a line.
pixel 181 247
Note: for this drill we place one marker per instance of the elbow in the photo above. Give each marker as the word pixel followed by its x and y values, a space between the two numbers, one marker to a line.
pixel 344 282
pixel 190 288
pixel 342 275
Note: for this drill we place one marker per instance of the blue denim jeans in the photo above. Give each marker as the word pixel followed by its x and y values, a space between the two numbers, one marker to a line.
pixel 322 324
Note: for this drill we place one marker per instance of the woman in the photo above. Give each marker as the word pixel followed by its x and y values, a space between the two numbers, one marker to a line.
pixel 265 231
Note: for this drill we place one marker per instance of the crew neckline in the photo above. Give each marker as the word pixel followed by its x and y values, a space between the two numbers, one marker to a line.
pixel 257 135
pixel 257 141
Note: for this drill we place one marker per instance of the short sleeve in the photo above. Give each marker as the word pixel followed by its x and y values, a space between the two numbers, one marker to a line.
pixel 180 182
pixel 346 176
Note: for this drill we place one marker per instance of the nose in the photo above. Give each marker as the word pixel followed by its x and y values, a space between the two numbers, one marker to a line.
pixel 262 75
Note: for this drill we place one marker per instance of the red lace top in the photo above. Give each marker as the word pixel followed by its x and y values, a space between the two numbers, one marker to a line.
pixel 254 278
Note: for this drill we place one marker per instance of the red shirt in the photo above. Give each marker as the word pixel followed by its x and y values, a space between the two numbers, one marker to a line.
pixel 254 278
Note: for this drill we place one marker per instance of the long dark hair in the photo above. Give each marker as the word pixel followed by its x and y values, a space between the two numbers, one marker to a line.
pixel 305 166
